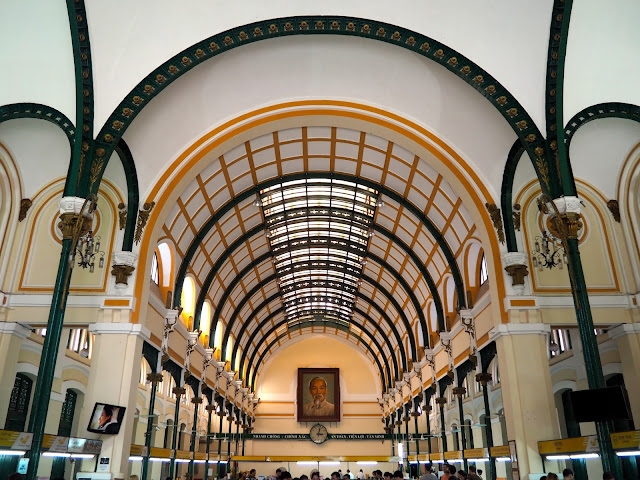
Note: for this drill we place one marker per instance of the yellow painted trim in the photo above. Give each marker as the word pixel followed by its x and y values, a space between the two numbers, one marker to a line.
pixel 116 302
pixel 523 302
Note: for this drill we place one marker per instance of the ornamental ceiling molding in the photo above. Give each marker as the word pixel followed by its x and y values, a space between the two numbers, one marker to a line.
pixel 268 119
pixel 515 115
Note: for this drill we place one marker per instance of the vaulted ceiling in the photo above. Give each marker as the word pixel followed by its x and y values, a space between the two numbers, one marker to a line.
pixel 382 269
pixel 398 227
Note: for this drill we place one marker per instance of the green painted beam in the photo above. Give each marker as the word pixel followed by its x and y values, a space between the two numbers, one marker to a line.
pixel 273 278
pixel 335 324
pixel 627 111
pixel 280 311
pixel 368 301
pixel 133 194
pixel 428 48
pixel 38 111
pixel 84 168
pixel 253 192
pixel 245 237
pixel 506 202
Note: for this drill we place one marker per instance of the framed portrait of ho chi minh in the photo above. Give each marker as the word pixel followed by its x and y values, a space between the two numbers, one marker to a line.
pixel 318 395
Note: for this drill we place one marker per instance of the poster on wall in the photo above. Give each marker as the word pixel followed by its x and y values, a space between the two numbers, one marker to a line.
pixel 318 395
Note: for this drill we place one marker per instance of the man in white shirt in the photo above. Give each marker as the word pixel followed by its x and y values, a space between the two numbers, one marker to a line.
pixel 360 475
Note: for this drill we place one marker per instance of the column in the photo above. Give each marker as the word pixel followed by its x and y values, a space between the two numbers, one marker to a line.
pixel 459 392
pixel 527 392
pixel 442 401
pixel 427 412
pixel 210 410
pixel 627 337
pixel 56 399
pixel 196 404
pixel 485 378
pixel 11 337
pixel 178 391
pixel 113 379
pixel 154 378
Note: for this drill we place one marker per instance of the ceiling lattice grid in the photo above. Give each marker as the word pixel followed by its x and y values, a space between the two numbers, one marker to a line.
pixel 318 232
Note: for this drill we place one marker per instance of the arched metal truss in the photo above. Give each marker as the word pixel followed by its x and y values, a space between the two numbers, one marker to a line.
pixel 252 192
pixel 477 78
pixel 335 324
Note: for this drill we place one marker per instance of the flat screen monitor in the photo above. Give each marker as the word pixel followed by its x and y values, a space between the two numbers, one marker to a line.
pixel 106 418
pixel 600 404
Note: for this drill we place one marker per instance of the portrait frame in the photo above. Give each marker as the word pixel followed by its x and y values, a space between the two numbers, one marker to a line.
pixel 332 378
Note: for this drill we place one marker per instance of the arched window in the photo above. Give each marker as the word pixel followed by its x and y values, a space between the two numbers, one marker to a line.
pixel 465 385
pixel 144 370
pixel 188 395
pixel 229 348
pixel 81 342
pixel 168 431
pixel 155 271
pixel 171 385
pixel 484 272
pixel 217 338
pixel 454 433
pixel 165 266
pixel 188 300
pixel 205 323
pixel 19 403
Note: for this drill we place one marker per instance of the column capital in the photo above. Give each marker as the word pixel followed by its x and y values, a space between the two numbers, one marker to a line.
pixel 13 328
pixel 171 315
pixel 624 329
pixel 459 391
pixel 129 259
pixel 507 329
pixel 514 258
pixel 70 209
pixel 124 263
pixel 120 328
pixel 568 204
pixel 72 205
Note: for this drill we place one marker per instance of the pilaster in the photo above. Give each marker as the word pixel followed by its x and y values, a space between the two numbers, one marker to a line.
pixel 627 338
pixel 115 371
pixel 529 406
pixel 11 337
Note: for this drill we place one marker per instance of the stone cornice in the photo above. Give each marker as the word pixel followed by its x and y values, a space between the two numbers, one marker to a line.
pixel 13 328
pixel 507 329
pixel 120 328
pixel 624 329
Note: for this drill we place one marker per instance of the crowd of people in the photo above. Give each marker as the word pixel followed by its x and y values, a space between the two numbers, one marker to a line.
pixel 449 472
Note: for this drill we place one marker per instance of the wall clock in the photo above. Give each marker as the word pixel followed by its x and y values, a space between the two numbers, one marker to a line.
pixel 318 434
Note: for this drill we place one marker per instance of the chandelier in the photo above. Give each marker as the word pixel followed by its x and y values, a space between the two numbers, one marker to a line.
pixel 87 249
pixel 548 252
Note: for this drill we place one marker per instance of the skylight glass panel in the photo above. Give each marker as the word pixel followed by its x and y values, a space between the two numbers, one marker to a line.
pixel 319 232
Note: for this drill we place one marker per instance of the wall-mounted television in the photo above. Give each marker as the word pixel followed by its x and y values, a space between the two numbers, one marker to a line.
pixel 600 404
pixel 106 418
